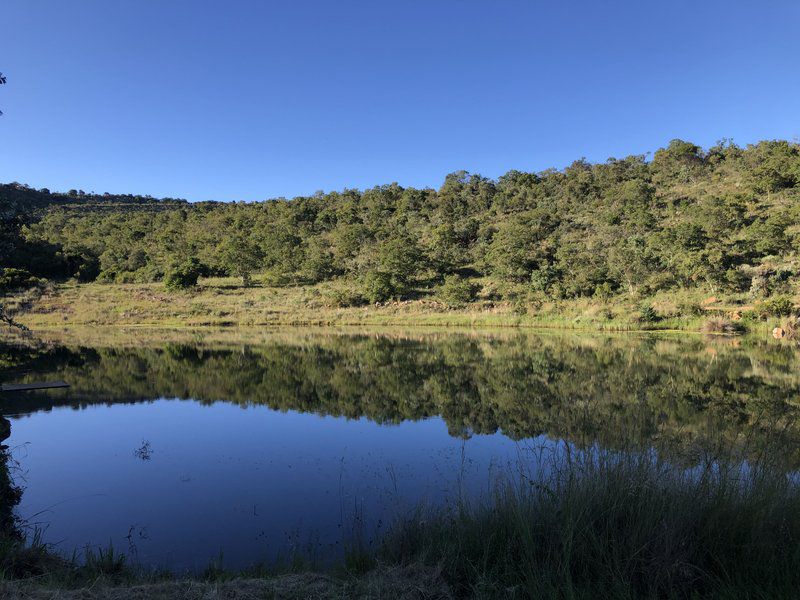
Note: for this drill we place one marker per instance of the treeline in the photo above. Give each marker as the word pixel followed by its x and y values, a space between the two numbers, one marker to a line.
pixel 618 393
pixel 722 219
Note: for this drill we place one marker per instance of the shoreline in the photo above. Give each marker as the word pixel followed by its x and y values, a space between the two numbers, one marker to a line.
pixel 217 303
pixel 537 540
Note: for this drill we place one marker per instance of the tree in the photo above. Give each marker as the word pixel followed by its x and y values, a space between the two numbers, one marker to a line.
pixel 519 246
pixel 456 290
pixel 677 163
pixel 630 263
pixel 728 218
pixel 399 262
pixel 774 165
pixel 241 257
pixel 183 275
pixel 318 264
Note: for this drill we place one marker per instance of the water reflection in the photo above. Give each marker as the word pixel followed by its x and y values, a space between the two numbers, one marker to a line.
pixel 313 449
pixel 614 390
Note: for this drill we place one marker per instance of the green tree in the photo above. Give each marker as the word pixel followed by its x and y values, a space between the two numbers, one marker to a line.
pixel 241 257
pixel 399 263
pixel 183 275
pixel 457 290
pixel 318 262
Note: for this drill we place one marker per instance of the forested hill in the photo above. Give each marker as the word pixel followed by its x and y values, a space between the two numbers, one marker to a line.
pixel 21 201
pixel 726 218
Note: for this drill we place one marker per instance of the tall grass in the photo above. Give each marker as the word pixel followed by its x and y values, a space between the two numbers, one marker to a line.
pixel 588 524
pixel 606 525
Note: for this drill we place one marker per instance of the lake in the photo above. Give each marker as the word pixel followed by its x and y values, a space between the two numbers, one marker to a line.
pixel 178 452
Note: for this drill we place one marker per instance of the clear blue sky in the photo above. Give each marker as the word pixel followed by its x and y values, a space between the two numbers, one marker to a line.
pixel 254 99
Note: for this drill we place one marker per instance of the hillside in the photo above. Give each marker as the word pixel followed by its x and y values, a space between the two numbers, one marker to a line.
pixel 724 220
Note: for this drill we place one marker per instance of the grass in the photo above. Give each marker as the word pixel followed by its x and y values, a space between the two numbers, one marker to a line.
pixel 224 302
pixel 615 526
pixel 595 524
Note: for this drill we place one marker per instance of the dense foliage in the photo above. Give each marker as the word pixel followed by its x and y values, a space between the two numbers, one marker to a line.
pixel 612 391
pixel 725 219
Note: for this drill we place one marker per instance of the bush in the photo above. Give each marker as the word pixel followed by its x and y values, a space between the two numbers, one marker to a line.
pixel 15 279
pixel 125 277
pixel 603 291
pixel 379 287
pixel 88 269
pixel 778 306
pixel 647 314
pixel 687 308
pixel 543 278
pixel 790 327
pixel 184 275
pixel 276 278
pixel 342 298
pixel 457 290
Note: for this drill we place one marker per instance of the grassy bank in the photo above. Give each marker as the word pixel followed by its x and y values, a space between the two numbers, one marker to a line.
pixel 597 525
pixel 616 527
pixel 225 302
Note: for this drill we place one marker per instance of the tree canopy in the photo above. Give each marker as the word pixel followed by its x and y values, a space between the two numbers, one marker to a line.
pixel 726 218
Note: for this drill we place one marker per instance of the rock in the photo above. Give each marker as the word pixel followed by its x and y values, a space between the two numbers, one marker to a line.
pixel 778 333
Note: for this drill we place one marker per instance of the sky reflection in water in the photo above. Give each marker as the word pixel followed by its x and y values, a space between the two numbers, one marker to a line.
pixel 179 452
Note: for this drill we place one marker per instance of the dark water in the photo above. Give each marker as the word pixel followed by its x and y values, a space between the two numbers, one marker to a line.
pixel 178 453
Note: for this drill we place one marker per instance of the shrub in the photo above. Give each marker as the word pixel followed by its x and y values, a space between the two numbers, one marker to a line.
pixel 778 306
pixel 14 279
pixel 647 314
pixel 543 278
pixel 88 269
pixel 379 287
pixel 342 298
pixel 276 277
pixel 457 290
pixel 183 275
pixel 791 327
pixel 125 277
pixel 603 291
pixel 687 308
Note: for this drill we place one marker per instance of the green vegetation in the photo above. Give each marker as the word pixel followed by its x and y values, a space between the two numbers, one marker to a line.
pixel 458 291
pixel 688 396
pixel 627 244
pixel 183 276
pixel 611 526
pixel 724 221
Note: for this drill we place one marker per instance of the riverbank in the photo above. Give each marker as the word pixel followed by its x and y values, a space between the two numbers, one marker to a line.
pixel 596 525
pixel 224 302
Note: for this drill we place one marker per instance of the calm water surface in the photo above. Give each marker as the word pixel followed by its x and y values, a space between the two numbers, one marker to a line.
pixel 180 453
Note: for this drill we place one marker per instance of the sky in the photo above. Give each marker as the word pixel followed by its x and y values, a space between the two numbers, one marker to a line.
pixel 247 100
